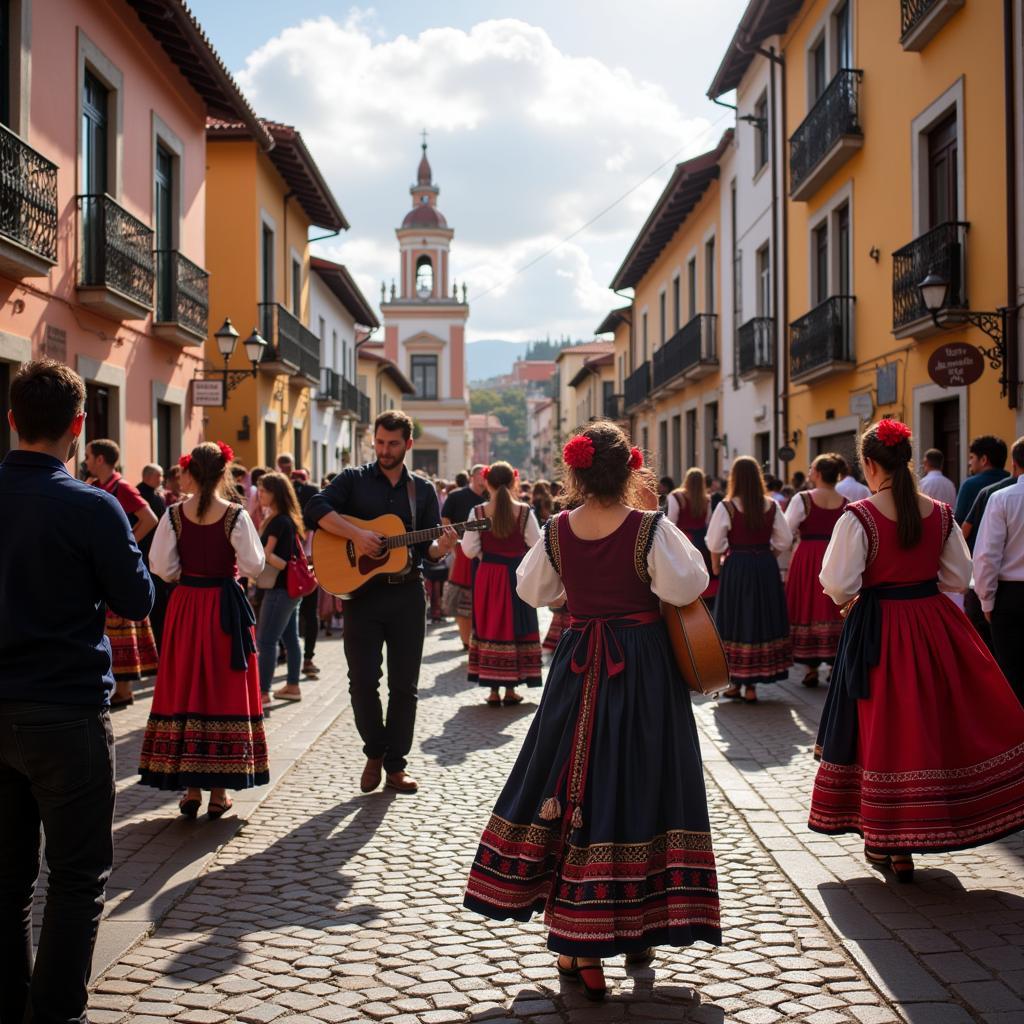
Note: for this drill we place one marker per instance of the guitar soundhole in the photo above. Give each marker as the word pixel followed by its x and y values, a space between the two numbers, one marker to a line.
pixel 368 564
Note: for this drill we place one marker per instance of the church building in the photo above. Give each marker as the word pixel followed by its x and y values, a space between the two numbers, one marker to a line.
pixel 425 333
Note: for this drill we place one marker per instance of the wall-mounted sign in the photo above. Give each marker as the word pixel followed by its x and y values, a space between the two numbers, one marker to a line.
pixel 786 454
pixel 208 392
pixel 956 365
pixel 861 405
pixel 885 384
pixel 55 344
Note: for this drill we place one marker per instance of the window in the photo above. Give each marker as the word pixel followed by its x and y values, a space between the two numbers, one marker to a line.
pixel 677 449
pixel 661 319
pixel 95 104
pixel 269 443
pixel 709 276
pixel 761 132
pixel 819 268
pixel 164 434
pixel 691 289
pixel 763 449
pixel 691 437
pixel 323 462
pixel 644 359
pixel 297 290
pixel 818 70
pixel 711 451
pixel 644 441
pixel 334 353
pixel 841 35
pixel 98 420
pixel 5 62
pixel 843 281
pixel 676 310
pixel 297 442
pixel 267 265
pixel 943 203
pixel 5 405
pixel 764 281
pixel 622 371
pixel 424 376
pixel 163 208
pixel 424 277
pixel 663 448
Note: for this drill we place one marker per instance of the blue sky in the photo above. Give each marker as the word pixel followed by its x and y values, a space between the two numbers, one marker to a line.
pixel 540 115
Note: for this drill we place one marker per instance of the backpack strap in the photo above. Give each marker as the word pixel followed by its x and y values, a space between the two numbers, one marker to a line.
pixel 175 515
pixel 551 547
pixel 230 519
pixel 644 542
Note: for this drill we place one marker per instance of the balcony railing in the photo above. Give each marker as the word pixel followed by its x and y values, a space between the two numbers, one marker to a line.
pixel 827 135
pixel 364 410
pixel 756 347
pixel 822 340
pixel 351 398
pixel 330 386
pixel 182 292
pixel 920 20
pixel 638 386
pixel 942 251
pixel 116 250
pixel 28 197
pixel 689 349
pixel 613 407
pixel 291 346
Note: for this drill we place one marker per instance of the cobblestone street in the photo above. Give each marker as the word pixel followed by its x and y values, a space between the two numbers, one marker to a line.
pixel 321 904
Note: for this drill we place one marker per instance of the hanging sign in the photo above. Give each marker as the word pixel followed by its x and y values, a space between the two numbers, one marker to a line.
pixel 956 365
pixel 208 392
pixel 786 454
pixel 861 405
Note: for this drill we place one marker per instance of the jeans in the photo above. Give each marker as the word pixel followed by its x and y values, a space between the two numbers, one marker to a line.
pixel 1007 637
pixel 56 769
pixel 278 621
pixel 391 614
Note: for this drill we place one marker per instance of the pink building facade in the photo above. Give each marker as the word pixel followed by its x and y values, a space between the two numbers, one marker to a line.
pixel 102 235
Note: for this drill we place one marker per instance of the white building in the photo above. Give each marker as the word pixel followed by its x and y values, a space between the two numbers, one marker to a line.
pixel 337 310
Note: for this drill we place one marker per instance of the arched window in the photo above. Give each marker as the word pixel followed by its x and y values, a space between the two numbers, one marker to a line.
pixel 424 277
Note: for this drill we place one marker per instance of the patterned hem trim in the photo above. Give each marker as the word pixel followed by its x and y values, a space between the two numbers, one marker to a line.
pixel 197 779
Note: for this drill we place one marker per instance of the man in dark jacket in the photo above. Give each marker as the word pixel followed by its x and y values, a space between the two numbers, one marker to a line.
pixel 66 553
pixel 151 491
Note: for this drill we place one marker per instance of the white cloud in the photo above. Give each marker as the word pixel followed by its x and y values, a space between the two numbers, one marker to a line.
pixel 526 142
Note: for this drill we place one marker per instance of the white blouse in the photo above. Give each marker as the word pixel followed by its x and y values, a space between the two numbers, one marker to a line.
pixel 472 545
pixel 718 530
pixel 846 558
pixel 163 555
pixel 672 510
pixel 676 567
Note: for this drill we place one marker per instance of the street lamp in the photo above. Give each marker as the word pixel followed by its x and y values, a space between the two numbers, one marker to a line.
pixel 934 293
pixel 227 341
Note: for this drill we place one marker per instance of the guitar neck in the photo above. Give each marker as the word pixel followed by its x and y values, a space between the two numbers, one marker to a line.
pixel 408 540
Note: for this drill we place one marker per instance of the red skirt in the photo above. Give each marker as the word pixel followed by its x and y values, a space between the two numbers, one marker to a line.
pixel 504 646
pixel 940 743
pixel 206 726
pixel 814 620
pixel 462 570
pixel 132 647
pixel 559 624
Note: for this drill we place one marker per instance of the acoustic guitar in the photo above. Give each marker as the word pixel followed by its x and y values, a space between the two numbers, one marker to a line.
pixel 697 647
pixel 341 570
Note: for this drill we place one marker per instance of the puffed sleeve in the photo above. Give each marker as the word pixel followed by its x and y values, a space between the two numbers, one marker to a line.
pixel 955 562
pixel 678 573
pixel 718 530
pixel 532 532
pixel 782 535
pixel 846 556
pixel 248 546
pixel 537 583
pixel 796 513
pixel 163 552
pixel 470 543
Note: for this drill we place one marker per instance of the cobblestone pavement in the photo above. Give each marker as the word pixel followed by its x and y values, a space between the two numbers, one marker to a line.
pixel 328 905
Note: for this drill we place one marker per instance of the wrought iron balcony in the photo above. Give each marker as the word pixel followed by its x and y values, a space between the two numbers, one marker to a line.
pixel 755 348
pixel 115 265
pixel 613 407
pixel 330 387
pixel 364 410
pixel 827 136
pixel 352 398
pixel 28 209
pixel 821 341
pixel 920 20
pixel 638 386
pixel 690 353
pixel 942 251
pixel 182 298
pixel 291 347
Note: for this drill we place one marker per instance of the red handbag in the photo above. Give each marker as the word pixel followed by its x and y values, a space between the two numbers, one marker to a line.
pixel 299 580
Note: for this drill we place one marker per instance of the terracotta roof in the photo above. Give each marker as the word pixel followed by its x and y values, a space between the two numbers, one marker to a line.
pixel 486 421
pixel 424 216
pixel 346 291
pixel 588 348
pixel 614 318
pixel 175 28
pixel 388 367
pixel 688 183
pixel 590 365
pixel 295 165
pixel 761 19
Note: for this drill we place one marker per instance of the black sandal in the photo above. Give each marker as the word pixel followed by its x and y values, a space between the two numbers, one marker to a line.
pixel 515 699
pixel 221 808
pixel 733 693
pixel 810 679
pixel 189 808
pixel 494 701
pixel 641 956
pixel 595 993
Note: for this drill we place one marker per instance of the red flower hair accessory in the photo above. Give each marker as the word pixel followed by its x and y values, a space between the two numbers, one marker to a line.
pixel 515 474
pixel 227 452
pixel 487 472
pixel 184 461
pixel 579 452
pixel 636 458
pixel 892 432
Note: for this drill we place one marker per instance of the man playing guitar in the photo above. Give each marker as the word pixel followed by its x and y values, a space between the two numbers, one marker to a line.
pixel 388 610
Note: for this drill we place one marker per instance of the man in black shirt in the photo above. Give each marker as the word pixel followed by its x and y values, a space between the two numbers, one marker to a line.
pixel 388 610
pixel 457 508
pixel 149 488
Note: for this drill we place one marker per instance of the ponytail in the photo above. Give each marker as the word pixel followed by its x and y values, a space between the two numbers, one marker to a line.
pixel 908 513
pixel 504 519
pixel 887 443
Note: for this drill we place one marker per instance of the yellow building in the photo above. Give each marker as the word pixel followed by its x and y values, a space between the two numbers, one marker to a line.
pixel 619 324
pixel 673 389
pixel 895 170
pixel 260 208
pixel 385 385
pixel 569 362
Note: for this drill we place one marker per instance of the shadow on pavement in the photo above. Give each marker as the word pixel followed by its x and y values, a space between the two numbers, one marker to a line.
pixel 452 746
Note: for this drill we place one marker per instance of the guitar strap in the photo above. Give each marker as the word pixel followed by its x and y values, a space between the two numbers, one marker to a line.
pixel 411 487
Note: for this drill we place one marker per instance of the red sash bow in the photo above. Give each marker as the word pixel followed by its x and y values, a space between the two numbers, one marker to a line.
pixel 597 641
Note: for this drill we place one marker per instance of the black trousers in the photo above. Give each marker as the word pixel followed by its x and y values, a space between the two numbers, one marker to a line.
pixel 309 623
pixel 1008 633
pixel 56 769
pixel 159 613
pixel 972 609
pixel 389 615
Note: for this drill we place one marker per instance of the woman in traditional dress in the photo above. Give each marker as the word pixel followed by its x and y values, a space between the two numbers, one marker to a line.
pixel 922 739
pixel 504 647
pixel 689 508
pixel 205 730
pixel 814 620
pixel 603 823
pixel 746 533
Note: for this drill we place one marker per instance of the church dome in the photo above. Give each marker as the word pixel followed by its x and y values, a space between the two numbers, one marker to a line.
pixel 424 216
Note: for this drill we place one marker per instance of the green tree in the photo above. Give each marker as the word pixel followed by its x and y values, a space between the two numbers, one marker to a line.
pixel 509 405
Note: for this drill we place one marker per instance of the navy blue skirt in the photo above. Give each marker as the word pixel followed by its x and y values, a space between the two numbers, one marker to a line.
pixel 632 864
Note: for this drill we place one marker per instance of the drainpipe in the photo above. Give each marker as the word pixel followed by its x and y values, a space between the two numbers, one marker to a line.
pixel 631 299
pixel 286 264
pixel 1011 320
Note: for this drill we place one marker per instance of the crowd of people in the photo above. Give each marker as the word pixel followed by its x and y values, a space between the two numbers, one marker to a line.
pixel 201 574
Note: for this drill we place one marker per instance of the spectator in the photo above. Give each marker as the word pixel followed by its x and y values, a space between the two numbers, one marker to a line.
pixel 309 607
pixel 849 486
pixel 933 483
pixel 238 478
pixel 172 486
pixel 66 553
pixel 254 506
pixel 799 481
pixel 666 485
pixel 152 493
pixel 985 461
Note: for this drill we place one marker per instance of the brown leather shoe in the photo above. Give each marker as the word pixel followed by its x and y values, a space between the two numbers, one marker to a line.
pixel 370 779
pixel 401 783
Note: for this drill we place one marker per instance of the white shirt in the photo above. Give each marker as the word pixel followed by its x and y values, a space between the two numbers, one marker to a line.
pixel 672 510
pixel 165 562
pixel 851 490
pixel 676 567
pixel 846 558
pixel 471 543
pixel 937 486
pixel 999 549
pixel 718 530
